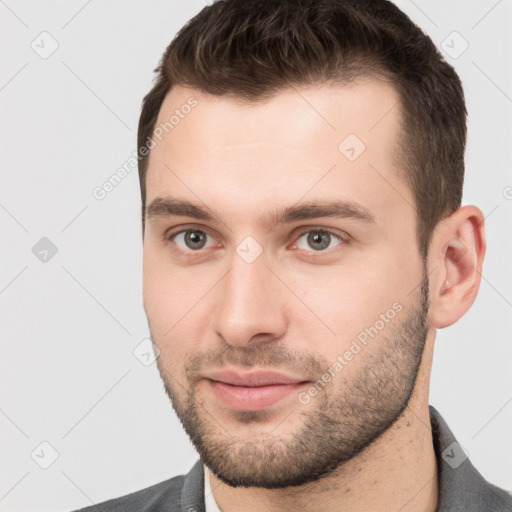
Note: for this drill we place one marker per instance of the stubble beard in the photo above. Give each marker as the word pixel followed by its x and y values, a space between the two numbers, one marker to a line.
pixel 339 424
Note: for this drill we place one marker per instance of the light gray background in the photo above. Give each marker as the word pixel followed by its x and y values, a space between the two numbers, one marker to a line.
pixel 70 325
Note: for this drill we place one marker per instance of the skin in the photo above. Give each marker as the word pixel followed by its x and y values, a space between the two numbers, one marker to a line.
pixel 364 441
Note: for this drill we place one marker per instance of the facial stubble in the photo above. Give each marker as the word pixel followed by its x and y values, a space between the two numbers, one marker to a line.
pixel 340 423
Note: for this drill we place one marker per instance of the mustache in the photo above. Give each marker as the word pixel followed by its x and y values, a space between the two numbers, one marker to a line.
pixel 266 355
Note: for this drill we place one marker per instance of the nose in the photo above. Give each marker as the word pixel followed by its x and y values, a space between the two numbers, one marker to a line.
pixel 250 304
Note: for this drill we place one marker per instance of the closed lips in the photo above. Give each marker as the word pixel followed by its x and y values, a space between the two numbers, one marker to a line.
pixel 254 379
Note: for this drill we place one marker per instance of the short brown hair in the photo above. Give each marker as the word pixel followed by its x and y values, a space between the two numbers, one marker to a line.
pixel 252 49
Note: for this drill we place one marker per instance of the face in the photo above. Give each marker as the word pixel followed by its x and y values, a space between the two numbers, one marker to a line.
pixel 282 280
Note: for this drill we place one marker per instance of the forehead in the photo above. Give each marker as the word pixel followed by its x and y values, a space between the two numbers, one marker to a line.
pixel 327 141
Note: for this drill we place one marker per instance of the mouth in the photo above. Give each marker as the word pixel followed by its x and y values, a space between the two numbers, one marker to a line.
pixel 253 391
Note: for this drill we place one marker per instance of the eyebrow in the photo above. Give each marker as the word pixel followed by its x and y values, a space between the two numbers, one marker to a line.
pixel 173 207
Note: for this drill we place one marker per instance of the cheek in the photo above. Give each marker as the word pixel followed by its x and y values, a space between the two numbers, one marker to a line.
pixel 349 298
pixel 158 295
pixel 166 287
pixel 174 302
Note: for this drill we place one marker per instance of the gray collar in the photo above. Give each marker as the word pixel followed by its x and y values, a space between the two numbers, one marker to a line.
pixel 461 486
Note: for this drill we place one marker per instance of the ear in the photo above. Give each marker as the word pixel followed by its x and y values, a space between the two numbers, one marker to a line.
pixel 455 261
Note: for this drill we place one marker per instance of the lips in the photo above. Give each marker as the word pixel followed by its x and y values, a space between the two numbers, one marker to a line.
pixel 252 391
pixel 252 379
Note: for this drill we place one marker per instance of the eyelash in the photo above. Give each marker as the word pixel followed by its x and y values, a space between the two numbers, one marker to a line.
pixel 344 240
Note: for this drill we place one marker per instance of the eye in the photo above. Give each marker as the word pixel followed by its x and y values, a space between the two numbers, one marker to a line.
pixel 191 239
pixel 318 240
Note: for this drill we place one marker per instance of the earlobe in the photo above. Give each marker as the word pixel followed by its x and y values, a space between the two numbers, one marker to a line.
pixel 456 257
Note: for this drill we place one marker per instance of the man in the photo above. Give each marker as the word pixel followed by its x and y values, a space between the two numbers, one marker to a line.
pixel 301 170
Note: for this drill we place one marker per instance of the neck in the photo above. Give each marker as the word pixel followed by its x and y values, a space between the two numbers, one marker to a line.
pixel 396 472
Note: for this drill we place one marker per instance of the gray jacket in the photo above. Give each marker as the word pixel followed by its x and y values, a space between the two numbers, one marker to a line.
pixel 461 487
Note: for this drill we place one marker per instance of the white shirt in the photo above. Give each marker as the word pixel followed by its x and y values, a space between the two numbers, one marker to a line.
pixel 209 501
